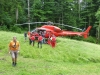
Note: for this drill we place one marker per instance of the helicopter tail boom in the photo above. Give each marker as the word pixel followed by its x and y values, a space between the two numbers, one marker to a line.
pixel 85 35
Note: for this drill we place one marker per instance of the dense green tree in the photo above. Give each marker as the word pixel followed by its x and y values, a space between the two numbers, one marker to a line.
pixel 78 13
pixel 98 29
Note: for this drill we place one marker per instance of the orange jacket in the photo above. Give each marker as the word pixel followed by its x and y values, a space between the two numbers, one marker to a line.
pixel 14 46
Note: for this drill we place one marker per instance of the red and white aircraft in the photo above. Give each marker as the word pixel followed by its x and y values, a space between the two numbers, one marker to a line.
pixel 50 29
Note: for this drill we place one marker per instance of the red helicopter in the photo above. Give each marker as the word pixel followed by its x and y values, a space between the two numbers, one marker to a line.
pixel 50 29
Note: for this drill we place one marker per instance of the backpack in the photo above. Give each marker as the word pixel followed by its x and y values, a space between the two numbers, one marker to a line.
pixel 53 38
pixel 40 38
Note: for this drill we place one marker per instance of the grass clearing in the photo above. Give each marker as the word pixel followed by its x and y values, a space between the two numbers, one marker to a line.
pixel 70 57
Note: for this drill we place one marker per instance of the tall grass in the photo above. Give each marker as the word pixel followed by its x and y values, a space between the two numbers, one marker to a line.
pixel 65 50
pixel 69 57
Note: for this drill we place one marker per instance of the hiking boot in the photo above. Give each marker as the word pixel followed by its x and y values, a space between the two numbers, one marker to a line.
pixel 13 64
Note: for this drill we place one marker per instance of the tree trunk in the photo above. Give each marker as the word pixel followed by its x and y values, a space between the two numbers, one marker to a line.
pixel 29 14
pixel 16 15
pixel 99 32
pixel 79 8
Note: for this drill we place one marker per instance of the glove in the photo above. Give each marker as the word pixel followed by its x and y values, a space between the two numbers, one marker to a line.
pixel 18 51
pixel 9 52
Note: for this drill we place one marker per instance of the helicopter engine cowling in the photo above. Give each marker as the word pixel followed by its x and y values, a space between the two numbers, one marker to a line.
pixel 54 28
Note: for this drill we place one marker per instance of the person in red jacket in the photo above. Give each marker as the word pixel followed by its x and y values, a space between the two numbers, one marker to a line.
pixel 36 35
pixel 53 41
pixel 40 38
pixel 49 39
pixel 32 39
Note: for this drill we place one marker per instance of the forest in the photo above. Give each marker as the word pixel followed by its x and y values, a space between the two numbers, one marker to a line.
pixel 77 13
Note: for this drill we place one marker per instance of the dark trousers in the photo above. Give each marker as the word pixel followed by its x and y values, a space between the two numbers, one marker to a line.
pixel 30 41
pixel 40 44
pixel 33 41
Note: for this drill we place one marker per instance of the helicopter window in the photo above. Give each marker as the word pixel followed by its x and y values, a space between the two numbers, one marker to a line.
pixel 40 31
pixel 34 30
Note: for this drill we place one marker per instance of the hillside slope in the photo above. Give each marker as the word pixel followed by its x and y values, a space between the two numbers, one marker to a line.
pixel 61 60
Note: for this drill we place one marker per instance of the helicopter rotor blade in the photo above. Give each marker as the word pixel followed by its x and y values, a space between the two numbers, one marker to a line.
pixel 72 27
pixel 31 23
pixel 69 26
pixel 19 24
pixel 51 24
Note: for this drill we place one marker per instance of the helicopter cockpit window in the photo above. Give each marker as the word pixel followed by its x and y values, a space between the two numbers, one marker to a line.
pixel 40 31
pixel 34 30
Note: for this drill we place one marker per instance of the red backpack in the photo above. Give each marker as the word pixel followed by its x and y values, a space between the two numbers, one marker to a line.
pixel 53 38
pixel 33 38
pixel 40 38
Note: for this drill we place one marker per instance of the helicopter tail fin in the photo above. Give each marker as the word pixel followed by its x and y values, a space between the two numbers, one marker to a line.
pixel 86 32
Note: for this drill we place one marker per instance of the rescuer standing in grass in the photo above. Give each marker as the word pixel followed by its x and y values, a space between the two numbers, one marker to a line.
pixel 40 38
pixel 25 35
pixel 14 48
pixel 32 39
pixel 53 41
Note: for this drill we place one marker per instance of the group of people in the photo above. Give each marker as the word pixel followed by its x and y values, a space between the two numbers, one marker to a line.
pixel 40 38
pixel 34 36
pixel 14 45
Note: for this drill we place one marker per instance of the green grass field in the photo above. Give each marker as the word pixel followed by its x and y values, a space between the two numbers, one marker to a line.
pixel 69 57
